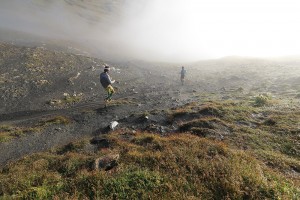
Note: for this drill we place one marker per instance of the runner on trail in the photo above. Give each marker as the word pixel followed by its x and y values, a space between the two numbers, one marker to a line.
pixel 106 82
pixel 182 73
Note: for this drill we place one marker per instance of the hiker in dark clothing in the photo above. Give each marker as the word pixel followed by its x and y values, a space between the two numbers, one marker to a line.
pixel 106 82
pixel 182 75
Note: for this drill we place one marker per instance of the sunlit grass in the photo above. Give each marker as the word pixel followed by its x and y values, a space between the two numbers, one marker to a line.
pixel 253 160
pixel 9 132
pixel 174 167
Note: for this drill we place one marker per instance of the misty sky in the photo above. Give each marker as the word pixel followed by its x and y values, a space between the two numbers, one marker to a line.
pixel 167 30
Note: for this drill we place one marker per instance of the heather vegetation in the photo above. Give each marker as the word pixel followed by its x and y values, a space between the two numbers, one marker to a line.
pixel 220 150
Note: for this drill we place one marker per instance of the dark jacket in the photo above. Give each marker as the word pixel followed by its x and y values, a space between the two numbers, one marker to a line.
pixel 105 79
pixel 183 72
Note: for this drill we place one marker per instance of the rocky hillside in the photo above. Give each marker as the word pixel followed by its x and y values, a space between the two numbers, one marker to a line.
pixel 39 79
pixel 230 132
pixel 32 77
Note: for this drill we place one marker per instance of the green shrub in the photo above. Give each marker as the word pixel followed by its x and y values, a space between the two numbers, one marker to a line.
pixel 262 100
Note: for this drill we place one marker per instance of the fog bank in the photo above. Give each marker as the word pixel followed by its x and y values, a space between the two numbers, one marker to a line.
pixel 161 30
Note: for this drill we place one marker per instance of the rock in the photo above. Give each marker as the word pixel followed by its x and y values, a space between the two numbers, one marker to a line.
pixel 223 89
pixel 162 129
pixel 101 142
pixel 106 162
pixel 42 82
pixel 113 125
pixel 221 137
pixel 157 128
pixel 55 102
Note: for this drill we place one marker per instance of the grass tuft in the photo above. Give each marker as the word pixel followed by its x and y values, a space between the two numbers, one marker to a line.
pixel 8 132
pixel 55 120
pixel 262 100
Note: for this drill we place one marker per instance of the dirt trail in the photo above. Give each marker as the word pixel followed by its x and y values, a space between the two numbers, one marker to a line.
pixel 90 118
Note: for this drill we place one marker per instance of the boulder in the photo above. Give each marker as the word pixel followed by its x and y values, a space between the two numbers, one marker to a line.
pixel 101 142
pixel 107 162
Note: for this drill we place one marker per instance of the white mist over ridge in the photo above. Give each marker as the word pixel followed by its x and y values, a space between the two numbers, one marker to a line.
pixel 162 30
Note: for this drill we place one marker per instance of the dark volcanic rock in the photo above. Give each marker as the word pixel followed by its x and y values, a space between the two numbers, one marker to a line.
pixel 101 142
pixel 106 162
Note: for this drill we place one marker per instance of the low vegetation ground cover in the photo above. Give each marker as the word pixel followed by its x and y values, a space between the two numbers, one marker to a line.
pixel 221 150
pixel 9 132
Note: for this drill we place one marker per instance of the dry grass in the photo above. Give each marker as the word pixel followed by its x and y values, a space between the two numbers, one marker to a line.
pixel 55 120
pixel 253 161
pixel 9 132
pixel 176 167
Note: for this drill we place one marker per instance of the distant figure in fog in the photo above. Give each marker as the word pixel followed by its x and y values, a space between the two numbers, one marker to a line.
pixel 182 74
pixel 106 82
